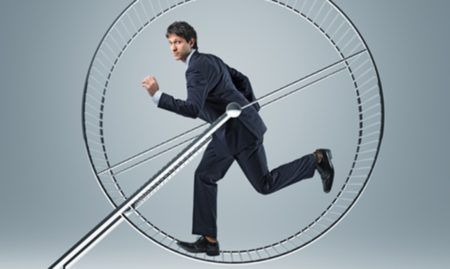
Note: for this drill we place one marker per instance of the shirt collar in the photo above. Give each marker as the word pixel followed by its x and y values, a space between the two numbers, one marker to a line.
pixel 189 57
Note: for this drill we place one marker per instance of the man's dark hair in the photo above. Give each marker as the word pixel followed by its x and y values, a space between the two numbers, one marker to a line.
pixel 184 30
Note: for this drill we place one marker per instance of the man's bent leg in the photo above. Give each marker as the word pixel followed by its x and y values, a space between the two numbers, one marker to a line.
pixel 253 163
pixel 210 170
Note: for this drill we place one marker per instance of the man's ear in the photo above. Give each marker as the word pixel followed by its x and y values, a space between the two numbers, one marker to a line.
pixel 191 42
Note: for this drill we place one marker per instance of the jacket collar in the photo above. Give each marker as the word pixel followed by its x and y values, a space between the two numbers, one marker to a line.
pixel 188 59
pixel 193 54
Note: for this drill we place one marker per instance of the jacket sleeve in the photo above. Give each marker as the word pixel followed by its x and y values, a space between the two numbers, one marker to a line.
pixel 197 91
pixel 243 84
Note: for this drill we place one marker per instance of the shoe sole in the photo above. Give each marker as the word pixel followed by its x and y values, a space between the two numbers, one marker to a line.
pixel 327 152
pixel 213 253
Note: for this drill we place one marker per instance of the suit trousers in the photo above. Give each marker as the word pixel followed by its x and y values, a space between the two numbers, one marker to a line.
pixel 252 161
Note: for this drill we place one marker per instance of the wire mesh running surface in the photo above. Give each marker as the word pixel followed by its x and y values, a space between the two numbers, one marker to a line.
pixel 355 59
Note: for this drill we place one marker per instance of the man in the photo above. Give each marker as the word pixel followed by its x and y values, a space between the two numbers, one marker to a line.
pixel 211 86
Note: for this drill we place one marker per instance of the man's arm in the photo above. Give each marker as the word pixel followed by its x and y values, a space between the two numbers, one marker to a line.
pixel 243 84
pixel 191 107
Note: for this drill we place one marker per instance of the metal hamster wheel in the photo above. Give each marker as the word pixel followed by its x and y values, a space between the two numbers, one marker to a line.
pixel 355 59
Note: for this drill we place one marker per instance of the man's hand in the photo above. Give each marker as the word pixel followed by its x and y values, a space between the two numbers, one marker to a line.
pixel 150 84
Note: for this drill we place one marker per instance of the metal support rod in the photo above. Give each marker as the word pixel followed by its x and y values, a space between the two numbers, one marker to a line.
pixel 134 201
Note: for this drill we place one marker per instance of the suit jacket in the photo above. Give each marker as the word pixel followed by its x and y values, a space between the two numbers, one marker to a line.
pixel 211 86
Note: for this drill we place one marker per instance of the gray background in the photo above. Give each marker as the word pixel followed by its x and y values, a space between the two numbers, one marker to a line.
pixel 49 197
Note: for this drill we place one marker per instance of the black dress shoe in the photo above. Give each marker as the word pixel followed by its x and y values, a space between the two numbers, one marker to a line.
pixel 200 246
pixel 325 168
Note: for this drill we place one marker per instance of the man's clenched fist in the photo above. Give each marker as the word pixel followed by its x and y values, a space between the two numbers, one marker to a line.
pixel 150 84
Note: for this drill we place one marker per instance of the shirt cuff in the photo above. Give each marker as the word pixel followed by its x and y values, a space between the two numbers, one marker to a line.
pixel 156 97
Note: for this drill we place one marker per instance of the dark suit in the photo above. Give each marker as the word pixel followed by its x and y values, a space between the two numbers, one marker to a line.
pixel 211 86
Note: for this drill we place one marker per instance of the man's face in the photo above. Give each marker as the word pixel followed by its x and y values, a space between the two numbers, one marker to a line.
pixel 180 47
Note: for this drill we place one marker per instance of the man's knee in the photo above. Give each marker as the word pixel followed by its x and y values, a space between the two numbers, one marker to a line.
pixel 263 185
pixel 200 175
pixel 206 177
pixel 264 191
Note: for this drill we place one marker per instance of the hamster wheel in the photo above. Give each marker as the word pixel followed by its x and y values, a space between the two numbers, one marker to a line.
pixel 354 58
